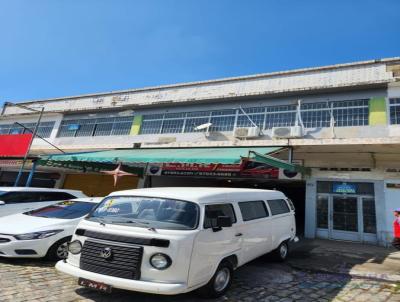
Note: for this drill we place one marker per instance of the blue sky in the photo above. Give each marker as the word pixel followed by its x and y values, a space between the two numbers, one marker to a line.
pixel 58 48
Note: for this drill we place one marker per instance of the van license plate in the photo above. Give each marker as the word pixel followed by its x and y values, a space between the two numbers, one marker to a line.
pixel 101 287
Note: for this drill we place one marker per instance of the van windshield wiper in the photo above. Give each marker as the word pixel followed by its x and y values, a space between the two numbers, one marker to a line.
pixel 101 220
pixel 141 223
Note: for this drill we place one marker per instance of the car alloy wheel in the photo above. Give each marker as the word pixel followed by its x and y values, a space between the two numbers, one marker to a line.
pixel 62 251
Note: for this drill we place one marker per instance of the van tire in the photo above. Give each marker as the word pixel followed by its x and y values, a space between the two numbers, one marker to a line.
pixel 219 283
pixel 57 249
pixel 282 251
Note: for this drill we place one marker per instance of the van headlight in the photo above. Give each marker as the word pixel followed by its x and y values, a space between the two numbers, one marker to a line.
pixel 75 247
pixel 160 261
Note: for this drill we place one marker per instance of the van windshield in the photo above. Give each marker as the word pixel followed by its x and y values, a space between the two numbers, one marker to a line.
pixel 148 212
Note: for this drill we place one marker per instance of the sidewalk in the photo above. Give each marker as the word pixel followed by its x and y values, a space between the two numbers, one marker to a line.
pixel 339 257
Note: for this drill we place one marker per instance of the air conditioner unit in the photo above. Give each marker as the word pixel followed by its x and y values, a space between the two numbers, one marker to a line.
pixel 247 132
pixel 287 132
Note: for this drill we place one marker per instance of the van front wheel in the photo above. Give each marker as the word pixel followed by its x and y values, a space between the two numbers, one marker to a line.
pixel 219 283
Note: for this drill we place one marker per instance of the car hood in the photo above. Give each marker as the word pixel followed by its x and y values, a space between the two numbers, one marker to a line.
pixel 21 224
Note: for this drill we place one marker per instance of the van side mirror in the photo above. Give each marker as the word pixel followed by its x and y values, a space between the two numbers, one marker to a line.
pixel 2 203
pixel 222 222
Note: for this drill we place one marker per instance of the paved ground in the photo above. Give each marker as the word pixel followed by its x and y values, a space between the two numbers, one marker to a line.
pixel 347 258
pixel 260 280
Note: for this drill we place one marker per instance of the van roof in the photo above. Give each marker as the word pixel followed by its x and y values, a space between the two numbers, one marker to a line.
pixel 202 194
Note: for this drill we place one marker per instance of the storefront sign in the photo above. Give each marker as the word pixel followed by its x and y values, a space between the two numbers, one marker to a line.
pixel 393 185
pixel 13 162
pixel 14 145
pixel 249 169
pixel 344 188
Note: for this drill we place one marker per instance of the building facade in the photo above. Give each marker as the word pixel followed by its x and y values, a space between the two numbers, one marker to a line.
pixel 341 121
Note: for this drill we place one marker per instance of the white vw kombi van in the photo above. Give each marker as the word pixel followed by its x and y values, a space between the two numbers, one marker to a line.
pixel 175 240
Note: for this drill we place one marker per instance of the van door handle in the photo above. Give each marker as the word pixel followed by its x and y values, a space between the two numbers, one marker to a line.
pixel 238 234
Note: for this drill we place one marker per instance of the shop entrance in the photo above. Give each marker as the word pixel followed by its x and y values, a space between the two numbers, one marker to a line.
pixel 348 215
pixel 295 190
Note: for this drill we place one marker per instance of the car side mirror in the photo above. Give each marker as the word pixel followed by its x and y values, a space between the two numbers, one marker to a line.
pixel 2 203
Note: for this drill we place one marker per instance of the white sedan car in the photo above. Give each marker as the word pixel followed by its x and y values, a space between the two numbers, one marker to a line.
pixel 43 232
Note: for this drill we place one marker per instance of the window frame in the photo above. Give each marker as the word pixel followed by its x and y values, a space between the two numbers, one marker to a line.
pixel 216 204
pixel 285 202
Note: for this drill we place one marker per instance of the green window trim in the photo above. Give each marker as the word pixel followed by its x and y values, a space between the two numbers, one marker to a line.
pixel 377 112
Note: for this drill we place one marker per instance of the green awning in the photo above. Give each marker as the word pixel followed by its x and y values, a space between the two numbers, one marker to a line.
pixel 275 162
pixel 134 160
pixel 175 155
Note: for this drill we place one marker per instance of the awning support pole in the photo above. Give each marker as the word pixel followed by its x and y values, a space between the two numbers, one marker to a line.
pixel 30 177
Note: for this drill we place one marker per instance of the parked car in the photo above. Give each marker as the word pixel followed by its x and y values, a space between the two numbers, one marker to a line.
pixel 175 240
pixel 43 232
pixel 21 199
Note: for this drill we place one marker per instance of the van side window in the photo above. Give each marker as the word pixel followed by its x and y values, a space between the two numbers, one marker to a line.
pixel 253 210
pixel 212 211
pixel 278 206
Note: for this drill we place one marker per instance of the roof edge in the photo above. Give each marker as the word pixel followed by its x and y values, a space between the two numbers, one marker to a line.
pixel 220 80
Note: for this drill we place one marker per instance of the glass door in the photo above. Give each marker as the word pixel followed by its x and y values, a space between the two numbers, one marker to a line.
pixel 369 219
pixel 345 218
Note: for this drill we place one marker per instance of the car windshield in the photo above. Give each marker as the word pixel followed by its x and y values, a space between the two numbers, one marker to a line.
pixel 69 209
pixel 148 212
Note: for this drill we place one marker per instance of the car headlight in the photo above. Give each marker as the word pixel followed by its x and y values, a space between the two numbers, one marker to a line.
pixel 160 261
pixel 37 235
pixel 75 247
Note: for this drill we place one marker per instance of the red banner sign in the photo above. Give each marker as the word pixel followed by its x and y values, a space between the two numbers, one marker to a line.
pixel 14 145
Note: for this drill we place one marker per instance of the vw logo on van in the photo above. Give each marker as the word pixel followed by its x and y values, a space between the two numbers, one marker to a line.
pixel 106 253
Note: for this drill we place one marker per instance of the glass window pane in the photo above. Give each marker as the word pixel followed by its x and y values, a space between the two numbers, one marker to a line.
pixel 253 210
pixel 222 123
pixel 322 212
pixel 151 126
pixel 172 126
pixel 345 216
pixel 215 210
pixel 192 123
pixel 395 111
pixel 369 217
pixel 280 119
pixel 278 206
pixel 243 121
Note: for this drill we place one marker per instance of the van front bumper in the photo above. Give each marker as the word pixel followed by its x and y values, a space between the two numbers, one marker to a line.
pixel 132 285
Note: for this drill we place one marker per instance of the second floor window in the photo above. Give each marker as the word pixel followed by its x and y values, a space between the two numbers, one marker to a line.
pixel 314 115
pixel 395 111
pixel 96 127
pixel 44 129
